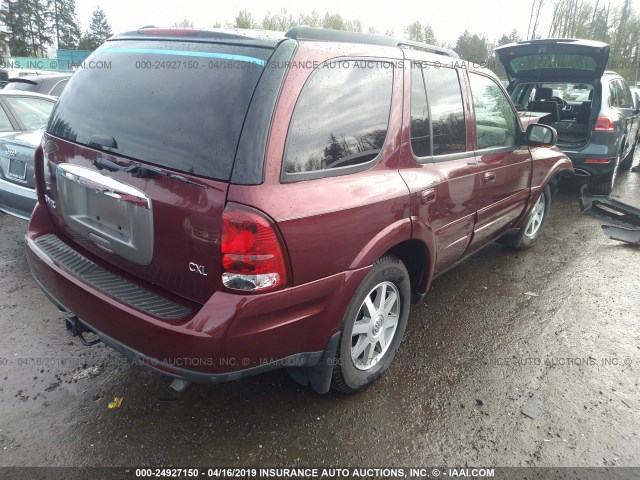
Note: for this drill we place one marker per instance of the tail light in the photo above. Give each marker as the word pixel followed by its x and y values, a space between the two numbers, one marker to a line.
pixel 253 257
pixel 597 160
pixel 604 124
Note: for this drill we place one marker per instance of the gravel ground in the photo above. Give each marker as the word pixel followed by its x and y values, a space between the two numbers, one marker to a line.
pixel 552 332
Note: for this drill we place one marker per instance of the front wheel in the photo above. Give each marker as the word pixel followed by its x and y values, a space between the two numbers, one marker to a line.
pixel 373 326
pixel 530 233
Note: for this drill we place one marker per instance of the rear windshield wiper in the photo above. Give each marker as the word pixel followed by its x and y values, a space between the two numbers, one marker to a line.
pixel 138 170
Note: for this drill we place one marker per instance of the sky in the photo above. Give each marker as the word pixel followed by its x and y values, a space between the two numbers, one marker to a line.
pixel 448 19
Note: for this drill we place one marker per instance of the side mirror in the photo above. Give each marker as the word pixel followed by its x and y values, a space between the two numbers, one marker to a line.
pixel 539 135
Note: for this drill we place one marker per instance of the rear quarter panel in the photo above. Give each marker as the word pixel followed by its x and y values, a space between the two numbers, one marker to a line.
pixel 337 223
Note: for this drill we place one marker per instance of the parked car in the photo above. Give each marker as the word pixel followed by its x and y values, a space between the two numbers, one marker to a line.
pixel 20 111
pixel 4 77
pixel 599 129
pixel 286 211
pixel 50 84
pixel 17 193
pixel 22 118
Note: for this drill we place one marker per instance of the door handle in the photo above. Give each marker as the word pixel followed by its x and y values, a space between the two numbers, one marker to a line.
pixel 427 196
pixel 489 177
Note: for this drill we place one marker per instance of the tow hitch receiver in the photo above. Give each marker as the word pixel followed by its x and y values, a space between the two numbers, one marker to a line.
pixel 626 216
pixel 76 329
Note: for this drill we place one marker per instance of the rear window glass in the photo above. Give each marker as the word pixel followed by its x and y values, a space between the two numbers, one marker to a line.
pixel 562 60
pixel 179 105
pixel 57 90
pixel 32 112
pixel 341 118
pixel 25 87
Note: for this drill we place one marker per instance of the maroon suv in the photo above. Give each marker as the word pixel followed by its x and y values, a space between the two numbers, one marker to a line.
pixel 219 204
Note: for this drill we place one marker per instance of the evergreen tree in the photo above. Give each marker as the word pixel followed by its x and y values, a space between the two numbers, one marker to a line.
pixel 14 19
pixel 99 28
pixel 27 28
pixel 86 42
pixel 66 24
pixel 244 20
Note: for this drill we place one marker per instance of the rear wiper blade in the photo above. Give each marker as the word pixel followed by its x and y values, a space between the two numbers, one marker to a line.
pixel 138 170
pixel 108 165
pixel 143 171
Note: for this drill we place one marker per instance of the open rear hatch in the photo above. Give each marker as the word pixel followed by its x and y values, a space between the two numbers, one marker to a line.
pixel 139 153
pixel 554 59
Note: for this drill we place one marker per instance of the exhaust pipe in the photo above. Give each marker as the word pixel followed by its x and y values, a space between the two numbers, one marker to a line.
pixel 76 329
pixel 581 173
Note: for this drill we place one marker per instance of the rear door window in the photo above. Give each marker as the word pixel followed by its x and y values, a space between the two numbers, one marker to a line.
pixel 420 126
pixel 447 111
pixel 614 100
pixel 341 118
pixel 624 94
pixel 179 105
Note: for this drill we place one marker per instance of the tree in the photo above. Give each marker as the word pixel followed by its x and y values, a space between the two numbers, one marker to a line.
pixel 40 25
pixel 414 32
pixel 418 32
pixel 183 24
pixel 66 24
pixel 281 22
pixel 244 20
pixel 311 20
pixel 495 65
pixel 534 19
pixel 99 29
pixel 13 16
pixel 86 42
pixel 512 37
pixel 429 36
pixel 27 28
pixel 335 21
pixel 475 48
pixel 598 20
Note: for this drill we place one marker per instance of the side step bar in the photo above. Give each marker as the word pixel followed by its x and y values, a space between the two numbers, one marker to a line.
pixel 626 216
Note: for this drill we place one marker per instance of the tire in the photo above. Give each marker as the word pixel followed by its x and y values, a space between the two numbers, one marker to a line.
pixel 365 354
pixel 531 232
pixel 603 184
pixel 626 163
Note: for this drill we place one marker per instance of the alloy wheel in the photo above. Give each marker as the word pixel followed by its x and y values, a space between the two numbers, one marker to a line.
pixel 375 325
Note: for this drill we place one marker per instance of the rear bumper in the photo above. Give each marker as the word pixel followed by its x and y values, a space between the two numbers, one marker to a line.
pixel 591 169
pixel 16 200
pixel 229 337
pixel 598 151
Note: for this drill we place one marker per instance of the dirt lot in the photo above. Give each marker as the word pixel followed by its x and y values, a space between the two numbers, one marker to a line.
pixel 553 330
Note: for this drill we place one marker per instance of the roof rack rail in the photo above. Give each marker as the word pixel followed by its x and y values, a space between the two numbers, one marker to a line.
pixel 302 32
